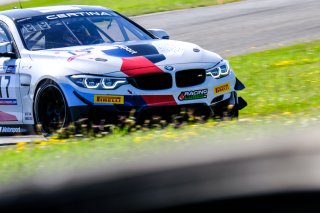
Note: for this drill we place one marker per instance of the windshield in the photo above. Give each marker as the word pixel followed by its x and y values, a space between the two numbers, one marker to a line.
pixel 74 29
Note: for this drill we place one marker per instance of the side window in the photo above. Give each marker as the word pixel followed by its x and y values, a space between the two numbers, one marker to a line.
pixel 3 35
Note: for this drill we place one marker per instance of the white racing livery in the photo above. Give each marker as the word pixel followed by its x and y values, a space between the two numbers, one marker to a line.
pixel 60 64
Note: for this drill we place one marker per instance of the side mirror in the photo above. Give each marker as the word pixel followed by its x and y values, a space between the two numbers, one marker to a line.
pixel 159 33
pixel 6 49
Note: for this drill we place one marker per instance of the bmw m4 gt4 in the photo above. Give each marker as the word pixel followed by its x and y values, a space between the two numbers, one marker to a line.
pixel 60 64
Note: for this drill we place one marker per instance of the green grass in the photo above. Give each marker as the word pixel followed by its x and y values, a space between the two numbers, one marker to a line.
pixel 128 7
pixel 282 89
pixel 281 81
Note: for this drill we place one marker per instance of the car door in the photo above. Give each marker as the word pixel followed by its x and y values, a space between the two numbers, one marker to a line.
pixel 10 101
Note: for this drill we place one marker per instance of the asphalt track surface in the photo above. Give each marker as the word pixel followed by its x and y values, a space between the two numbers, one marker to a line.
pixel 4 2
pixel 242 27
pixel 6 140
pixel 237 28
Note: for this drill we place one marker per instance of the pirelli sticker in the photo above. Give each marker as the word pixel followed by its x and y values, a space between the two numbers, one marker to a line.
pixel 222 88
pixel 108 99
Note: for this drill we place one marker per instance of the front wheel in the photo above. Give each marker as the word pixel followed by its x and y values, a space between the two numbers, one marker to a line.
pixel 50 108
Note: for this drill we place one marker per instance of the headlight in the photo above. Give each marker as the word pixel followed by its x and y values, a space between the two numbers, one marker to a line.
pixel 92 83
pixel 97 82
pixel 220 70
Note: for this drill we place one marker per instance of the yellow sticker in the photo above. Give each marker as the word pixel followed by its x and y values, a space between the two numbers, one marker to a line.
pixel 108 99
pixel 222 88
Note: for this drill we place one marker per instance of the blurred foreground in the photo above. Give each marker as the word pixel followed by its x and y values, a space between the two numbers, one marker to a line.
pixel 245 162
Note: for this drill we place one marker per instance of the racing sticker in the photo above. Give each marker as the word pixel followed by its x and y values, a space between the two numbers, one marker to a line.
pixel 168 48
pixel 131 50
pixel 193 95
pixel 4 129
pixel 78 14
pixel 8 102
pixel 7 69
pixel 28 116
pixel 14 129
pixel 146 50
pixel 108 99
pixel 222 88
pixel 79 53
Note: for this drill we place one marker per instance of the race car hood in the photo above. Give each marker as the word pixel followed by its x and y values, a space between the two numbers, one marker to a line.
pixel 129 58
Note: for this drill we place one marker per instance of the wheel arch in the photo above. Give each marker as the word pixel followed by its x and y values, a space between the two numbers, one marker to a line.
pixel 38 85
pixel 51 82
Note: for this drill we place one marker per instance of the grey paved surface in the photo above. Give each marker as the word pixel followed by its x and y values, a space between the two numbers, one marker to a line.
pixel 3 2
pixel 242 27
pixel 4 140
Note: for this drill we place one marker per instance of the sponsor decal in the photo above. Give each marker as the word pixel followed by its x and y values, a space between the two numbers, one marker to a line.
pixel 193 95
pixel 128 49
pixel 26 67
pixel 148 51
pixel 8 69
pixel 84 50
pixel 8 102
pixel 109 99
pixel 10 129
pixel 79 53
pixel 222 88
pixel 70 59
pixel 167 48
pixel 28 116
pixel 11 69
pixel 77 14
pixel 41 25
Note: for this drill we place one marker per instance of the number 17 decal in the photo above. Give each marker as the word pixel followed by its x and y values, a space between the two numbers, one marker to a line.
pixel 8 79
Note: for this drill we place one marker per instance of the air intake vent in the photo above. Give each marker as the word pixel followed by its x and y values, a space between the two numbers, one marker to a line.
pixel 189 78
pixel 155 81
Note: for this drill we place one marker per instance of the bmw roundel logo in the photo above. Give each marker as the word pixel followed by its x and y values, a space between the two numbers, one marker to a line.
pixel 169 68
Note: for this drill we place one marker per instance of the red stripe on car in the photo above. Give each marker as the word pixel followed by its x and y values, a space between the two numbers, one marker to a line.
pixel 138 66
pixel 159 100
pixel 7 117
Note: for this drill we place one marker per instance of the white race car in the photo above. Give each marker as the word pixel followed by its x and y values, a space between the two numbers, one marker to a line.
pixel 59 64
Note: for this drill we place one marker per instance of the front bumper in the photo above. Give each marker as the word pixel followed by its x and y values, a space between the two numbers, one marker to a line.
pixel 111 114
pixel 86 103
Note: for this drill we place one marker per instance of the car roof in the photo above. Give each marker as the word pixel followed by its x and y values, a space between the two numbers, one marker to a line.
pixel 15 14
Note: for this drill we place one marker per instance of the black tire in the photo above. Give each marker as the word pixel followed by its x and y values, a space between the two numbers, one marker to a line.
pixel 51 108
